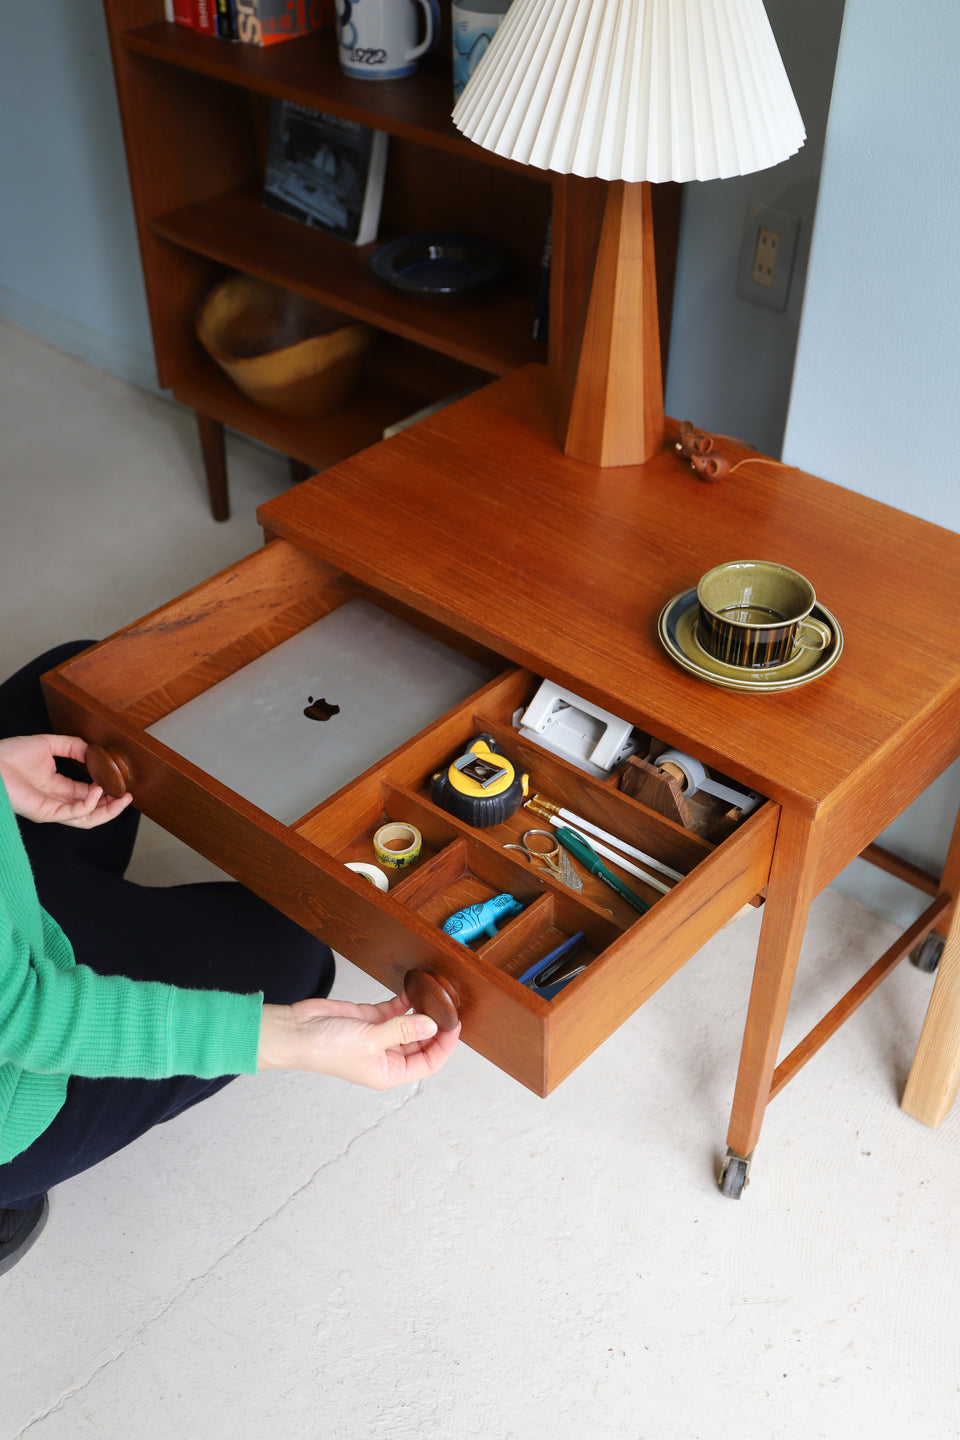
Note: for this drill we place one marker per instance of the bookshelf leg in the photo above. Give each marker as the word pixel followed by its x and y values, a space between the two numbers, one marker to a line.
pixel 300 470
pixel 213 449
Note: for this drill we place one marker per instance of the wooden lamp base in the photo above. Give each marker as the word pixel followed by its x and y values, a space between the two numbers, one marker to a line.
pixel 613 413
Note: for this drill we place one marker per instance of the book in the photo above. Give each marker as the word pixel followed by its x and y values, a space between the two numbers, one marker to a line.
pixel 226 20
pixel 541 316
pixel 205 16
pixel 425 413
pixel 325 171
pixel 264 22
pixel 180 12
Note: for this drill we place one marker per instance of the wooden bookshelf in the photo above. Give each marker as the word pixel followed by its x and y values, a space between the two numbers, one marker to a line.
pixel 194 112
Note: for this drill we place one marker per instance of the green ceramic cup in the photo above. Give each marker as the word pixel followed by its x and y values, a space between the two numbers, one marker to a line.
pixel 755 614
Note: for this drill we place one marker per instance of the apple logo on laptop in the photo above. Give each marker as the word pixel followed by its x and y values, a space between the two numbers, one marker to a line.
pixel 320 709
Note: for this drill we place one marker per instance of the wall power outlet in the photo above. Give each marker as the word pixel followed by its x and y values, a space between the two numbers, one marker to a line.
pixel 766 255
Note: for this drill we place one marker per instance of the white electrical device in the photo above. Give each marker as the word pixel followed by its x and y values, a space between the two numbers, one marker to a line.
pixel 579 731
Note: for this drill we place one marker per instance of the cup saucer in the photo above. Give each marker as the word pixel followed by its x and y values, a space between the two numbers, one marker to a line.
pixel 677 629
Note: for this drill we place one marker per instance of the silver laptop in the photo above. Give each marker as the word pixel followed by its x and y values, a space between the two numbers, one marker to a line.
pixel 291 728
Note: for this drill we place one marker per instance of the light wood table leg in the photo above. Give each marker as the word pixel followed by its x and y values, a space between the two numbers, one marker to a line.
pixel 789 893
pixel 934 1077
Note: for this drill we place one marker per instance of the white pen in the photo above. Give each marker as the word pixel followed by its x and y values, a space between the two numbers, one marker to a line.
pixel 617 859
pixel 550 810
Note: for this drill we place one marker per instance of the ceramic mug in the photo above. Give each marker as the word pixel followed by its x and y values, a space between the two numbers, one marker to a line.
pixel 755 614
pixel 378 38
pixel 473 23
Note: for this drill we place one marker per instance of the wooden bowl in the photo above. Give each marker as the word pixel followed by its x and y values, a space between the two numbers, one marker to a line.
pixel 285 352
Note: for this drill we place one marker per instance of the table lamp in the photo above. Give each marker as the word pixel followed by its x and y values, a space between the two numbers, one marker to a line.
pixel 633 92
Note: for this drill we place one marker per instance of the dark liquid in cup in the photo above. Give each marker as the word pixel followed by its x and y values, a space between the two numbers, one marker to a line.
pixel 752 615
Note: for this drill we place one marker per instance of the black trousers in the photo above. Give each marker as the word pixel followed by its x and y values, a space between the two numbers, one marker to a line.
pixel 210 936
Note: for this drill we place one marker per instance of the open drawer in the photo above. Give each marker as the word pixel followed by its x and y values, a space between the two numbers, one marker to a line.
pixel 118 692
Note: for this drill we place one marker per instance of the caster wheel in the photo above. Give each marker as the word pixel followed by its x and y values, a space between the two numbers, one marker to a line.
pixel 733 1176
pixel 926 955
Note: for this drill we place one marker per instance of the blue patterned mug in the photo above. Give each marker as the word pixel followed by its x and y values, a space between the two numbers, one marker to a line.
pixel 473 23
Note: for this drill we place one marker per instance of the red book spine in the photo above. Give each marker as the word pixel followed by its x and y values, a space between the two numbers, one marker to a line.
pixel 183 13
pixel 205 16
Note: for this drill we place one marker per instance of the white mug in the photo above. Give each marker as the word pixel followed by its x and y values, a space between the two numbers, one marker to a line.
pixel 378 38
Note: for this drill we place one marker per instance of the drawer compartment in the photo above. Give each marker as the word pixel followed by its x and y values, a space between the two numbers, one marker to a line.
pixel 122 694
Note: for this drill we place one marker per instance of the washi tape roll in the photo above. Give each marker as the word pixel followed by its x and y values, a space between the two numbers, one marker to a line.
pixel 397 844
pixel 371 873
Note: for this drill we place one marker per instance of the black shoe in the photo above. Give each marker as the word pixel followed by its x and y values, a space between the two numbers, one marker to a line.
pixel 18 1230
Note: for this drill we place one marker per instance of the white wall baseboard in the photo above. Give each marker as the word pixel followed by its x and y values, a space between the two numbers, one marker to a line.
pixel 105 351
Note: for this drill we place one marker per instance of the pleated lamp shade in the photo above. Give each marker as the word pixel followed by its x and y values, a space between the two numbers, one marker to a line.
pixel 634 90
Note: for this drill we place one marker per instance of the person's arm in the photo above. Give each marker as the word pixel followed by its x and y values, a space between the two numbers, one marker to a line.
pixel 73 1021
pixel 64 1018
pixel 57 1017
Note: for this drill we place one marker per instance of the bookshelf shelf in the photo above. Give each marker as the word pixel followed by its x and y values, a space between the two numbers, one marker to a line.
pixel 194 111
pixel 490 332
pixel 303 69
pixel 317 443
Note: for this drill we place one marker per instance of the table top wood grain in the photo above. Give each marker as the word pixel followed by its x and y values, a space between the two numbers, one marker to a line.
pixel 476 518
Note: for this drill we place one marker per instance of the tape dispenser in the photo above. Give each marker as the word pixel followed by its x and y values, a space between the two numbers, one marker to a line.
pixel 481 787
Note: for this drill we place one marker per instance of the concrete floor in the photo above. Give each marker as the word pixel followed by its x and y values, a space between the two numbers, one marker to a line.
pixel 299 1259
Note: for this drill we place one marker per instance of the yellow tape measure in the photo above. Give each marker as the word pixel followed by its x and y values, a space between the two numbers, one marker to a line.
pixel 481 786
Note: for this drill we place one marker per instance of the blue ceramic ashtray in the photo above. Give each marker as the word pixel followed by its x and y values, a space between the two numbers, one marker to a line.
pixel 437 265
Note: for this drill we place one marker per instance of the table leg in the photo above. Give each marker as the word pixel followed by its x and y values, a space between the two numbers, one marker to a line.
pixel 789 893
pixel 934 1077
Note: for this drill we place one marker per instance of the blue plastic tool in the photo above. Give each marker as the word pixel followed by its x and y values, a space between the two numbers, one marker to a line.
pixel 476 920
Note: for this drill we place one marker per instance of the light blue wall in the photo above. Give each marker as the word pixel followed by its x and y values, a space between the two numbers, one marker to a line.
pixel 731 360
pixel 69 263
pixel 875 395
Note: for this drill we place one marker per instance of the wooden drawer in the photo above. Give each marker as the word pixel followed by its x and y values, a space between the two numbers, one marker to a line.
pixel 115 691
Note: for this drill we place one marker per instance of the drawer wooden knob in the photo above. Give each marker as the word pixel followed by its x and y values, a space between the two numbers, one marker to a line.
pixel 429 995
pixel 106 771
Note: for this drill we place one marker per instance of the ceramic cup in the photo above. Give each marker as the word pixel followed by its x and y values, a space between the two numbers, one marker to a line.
pixel 378 39
pixel 755 614
pixel 473 23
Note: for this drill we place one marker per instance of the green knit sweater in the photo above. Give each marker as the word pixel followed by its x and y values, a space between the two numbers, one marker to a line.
pixel 58 1018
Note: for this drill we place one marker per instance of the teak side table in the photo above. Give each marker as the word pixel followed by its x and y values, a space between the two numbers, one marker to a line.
pixel 484 523
pixel 477 523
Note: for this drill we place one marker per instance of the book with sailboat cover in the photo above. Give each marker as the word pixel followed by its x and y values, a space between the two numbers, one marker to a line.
pixel 325 171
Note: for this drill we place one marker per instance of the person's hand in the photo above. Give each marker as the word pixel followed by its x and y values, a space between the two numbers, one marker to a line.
pixel 39 792
pixel 375 1045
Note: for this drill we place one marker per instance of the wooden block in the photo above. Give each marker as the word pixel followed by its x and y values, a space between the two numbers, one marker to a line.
pixel 662 792
pixel 656 789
